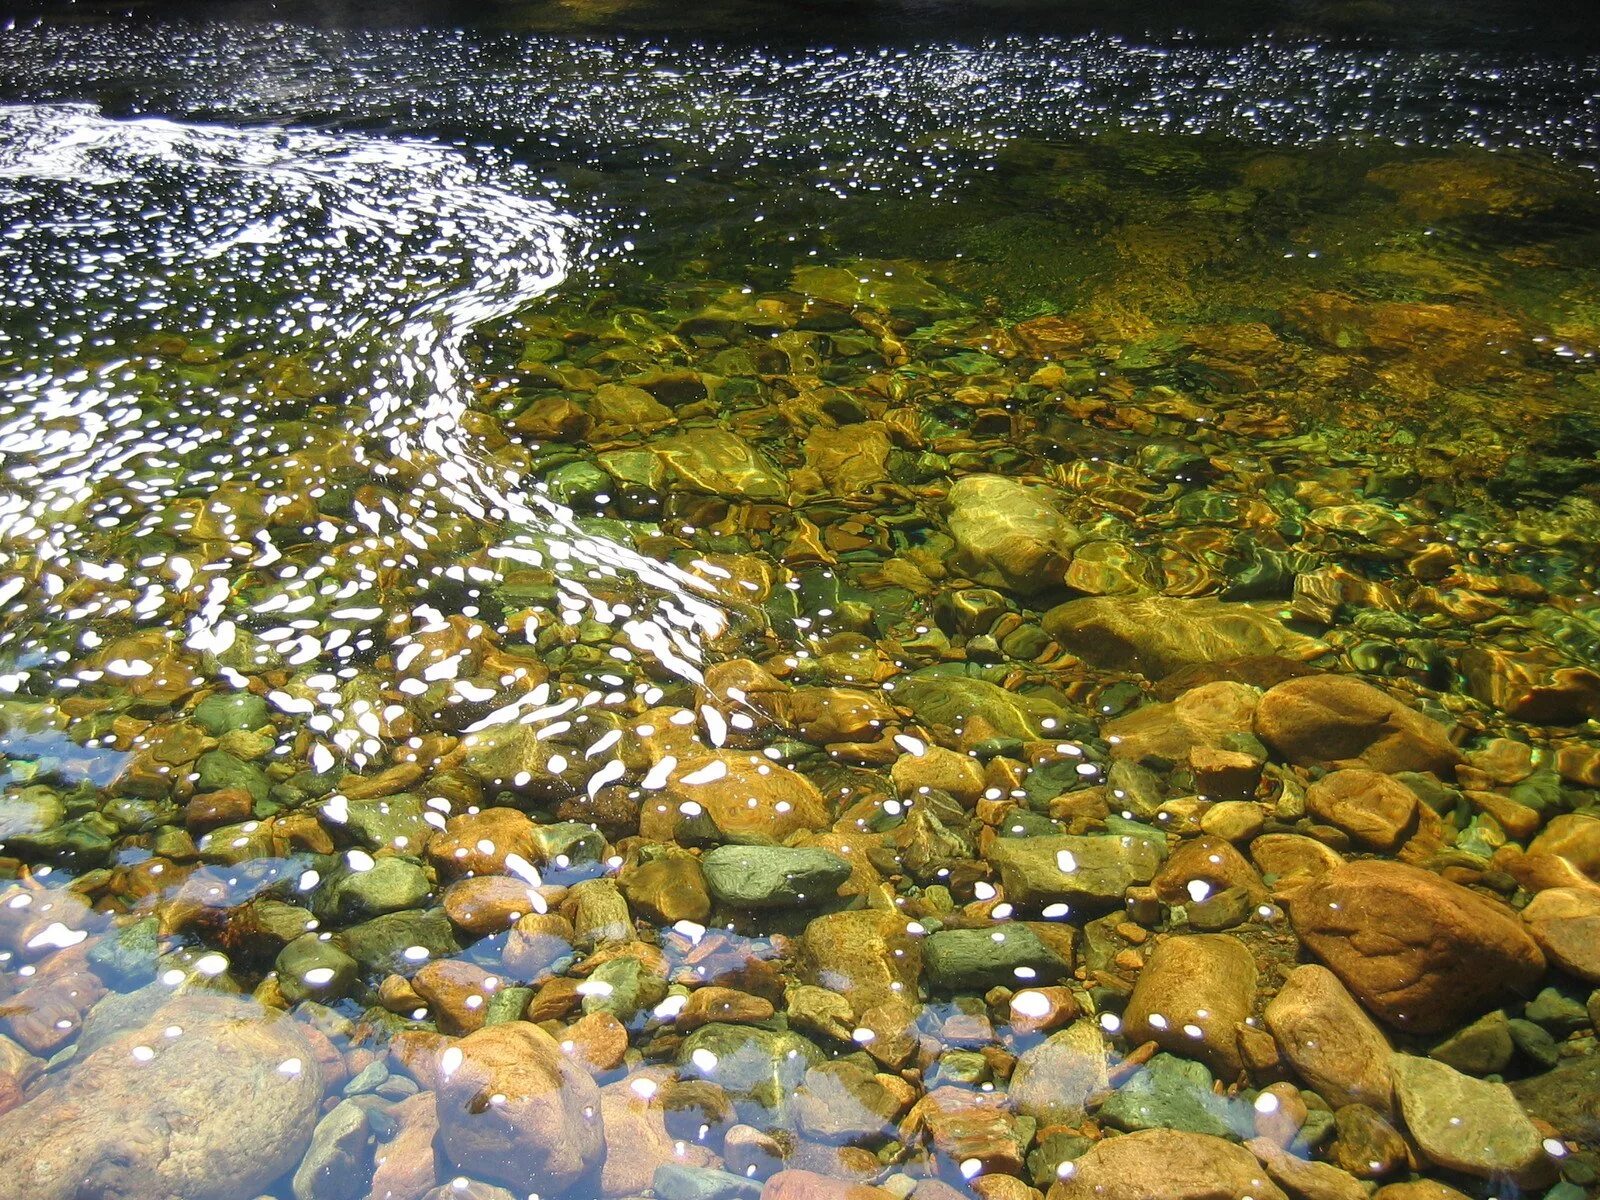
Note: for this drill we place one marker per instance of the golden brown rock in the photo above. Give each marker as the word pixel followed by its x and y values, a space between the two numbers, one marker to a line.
pixel 480 843
pixel 1191 995
pixel 1336 721
pixel 1377 811
pixel 1330 1041
pixel 1165 1164
pixel 1566 924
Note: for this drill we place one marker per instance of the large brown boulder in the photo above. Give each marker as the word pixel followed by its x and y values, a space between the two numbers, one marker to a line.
pixel 216 1111
pixel 1422 953
pixel 1166 1164
pixel 515 1110
pixel 1336 721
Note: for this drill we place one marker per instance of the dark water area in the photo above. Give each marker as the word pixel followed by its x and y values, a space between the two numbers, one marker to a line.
pixel 872 601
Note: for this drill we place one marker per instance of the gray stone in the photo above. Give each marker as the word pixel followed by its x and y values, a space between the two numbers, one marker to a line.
pixel 974 960
pixel 623 988
pixel 674 1182
pixel 1567 1098
pixel 1534 1043
pixel 30 812
pixel 1482 1048
pixel 1174 1093
pixel 1559 1013
pixel 1054 1080
pixel 749 877
pixel 340 1156
pixel 398 943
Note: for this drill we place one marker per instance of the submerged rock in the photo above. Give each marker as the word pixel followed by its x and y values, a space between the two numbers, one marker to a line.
pixel 1336 721
pixel 752 877
pixel 1006 955
pixel 1566 924
pixel 220 1110
pixel 1165 1164
pixel 1191 997
pixel 1330 1042
pixel 1157 635
pixel 514 1109
pixel 1422 953
pixel 1469 1125
pixel 1054 1080
pixel 1093 871
pixel 1010 534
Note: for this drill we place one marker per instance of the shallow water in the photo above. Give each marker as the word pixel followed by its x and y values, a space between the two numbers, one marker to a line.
pixel 458 488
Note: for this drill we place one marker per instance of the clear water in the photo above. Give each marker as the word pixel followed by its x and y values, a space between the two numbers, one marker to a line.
pixel 305 343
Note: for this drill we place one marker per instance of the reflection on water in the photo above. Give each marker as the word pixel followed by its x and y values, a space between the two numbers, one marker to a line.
pixel 588 618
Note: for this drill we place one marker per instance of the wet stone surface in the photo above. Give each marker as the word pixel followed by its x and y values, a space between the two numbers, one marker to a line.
pixel 1084 692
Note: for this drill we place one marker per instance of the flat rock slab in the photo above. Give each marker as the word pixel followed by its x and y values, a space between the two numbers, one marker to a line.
pixel 1469 1125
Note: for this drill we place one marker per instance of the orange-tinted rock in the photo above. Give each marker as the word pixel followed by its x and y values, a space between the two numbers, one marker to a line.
pixel 1566 924
pixel 938 769
pixel 220 1110
pixel 1166 735
pixel 1376 810
pixel 486 904
pixel 1535 686
pixel 968 1127
pixel 1203 866
pixel 406 1167
pixel 598 1041
pixel 212 809
pixel 480 843
pixel 1157 635
pixel 536 943
pixel 1422 953
pixel 744 797
pixel 1191 995
pixel 1574 837
pixel 1336 721
pixel 457 992
pixel 516 1110
pixel 1165 1164
pixel 867 956
pixel 1330 1041
pixel 724 1005
pixel 636 1137
pixel 668 889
